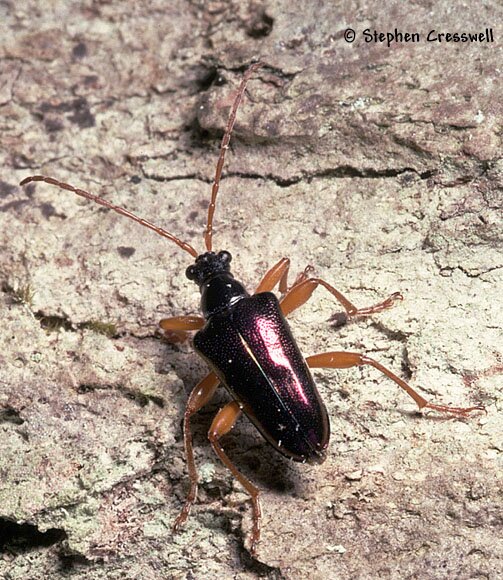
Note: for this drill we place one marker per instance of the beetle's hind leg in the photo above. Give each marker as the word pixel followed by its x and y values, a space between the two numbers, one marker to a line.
pixel 345 360
pixel 222 424
pixel 200 395
pixel 179 328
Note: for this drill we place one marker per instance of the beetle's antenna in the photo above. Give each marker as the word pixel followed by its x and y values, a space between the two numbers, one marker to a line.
pixel 187 247
pixel 223 148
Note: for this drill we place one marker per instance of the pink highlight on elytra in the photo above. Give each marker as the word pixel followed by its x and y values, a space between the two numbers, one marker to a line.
pixel 267 331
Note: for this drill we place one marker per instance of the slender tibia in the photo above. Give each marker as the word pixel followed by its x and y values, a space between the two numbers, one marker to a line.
pixel 344 360
pixel 200 396
pixel 222 424
pixel 300 293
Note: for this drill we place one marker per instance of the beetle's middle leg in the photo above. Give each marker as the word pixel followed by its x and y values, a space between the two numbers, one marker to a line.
pixel 302 290
pixel 345 360
pixel 200 395
pixel 303 287
pixel 222 424
pixel 178 328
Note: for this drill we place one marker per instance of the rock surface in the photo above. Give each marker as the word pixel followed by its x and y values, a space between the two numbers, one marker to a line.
pixel 379 165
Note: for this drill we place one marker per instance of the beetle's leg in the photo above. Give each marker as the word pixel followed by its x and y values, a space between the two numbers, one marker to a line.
pixel 304 275
pixel 178 328
pixel 344 360
pixel 303 288
pixel 279 273
pixel 302 291
pixel 200 395
pixel 222 424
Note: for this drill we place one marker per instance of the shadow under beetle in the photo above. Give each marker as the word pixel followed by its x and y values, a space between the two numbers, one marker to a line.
pixel 247 343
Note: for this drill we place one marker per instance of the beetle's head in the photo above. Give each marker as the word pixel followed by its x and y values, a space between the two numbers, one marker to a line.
pixel 208 265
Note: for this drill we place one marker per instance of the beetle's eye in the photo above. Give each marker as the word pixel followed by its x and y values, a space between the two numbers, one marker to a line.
pixel 190 272
pixel 225 256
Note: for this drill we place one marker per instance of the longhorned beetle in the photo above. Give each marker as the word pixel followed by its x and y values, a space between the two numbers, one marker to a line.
pixel 248 345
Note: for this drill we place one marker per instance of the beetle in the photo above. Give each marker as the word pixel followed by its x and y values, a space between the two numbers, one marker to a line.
pixel 250 349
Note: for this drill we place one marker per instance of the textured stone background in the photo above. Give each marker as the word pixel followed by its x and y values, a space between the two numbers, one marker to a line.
pixel 380 166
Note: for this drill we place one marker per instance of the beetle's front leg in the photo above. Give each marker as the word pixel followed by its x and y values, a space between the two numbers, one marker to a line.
pixel 222 424
pixel 278 274
pixel 300 293
pixel 344 360
pixel 178 328
pixel 200 395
